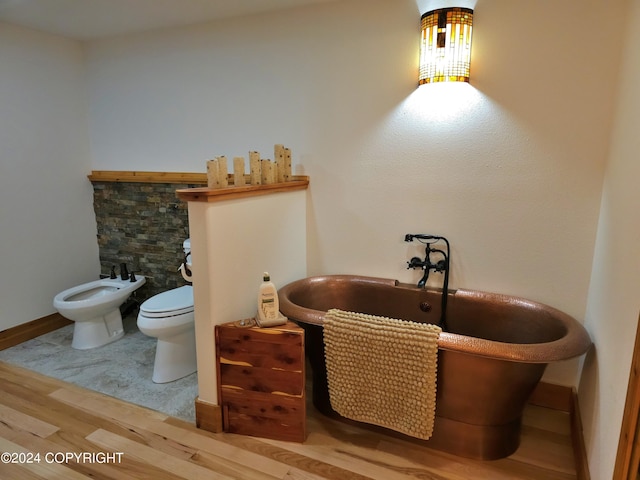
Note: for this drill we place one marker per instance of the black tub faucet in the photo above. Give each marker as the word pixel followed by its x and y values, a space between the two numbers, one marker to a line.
pixel 442 265
pixel 439 266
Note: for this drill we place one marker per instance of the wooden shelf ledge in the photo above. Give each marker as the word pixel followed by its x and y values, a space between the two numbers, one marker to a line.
pixel 199 194
pixel 204 194
pixel 148 177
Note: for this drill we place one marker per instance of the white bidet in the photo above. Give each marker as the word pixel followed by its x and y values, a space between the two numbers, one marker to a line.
pixel 95 309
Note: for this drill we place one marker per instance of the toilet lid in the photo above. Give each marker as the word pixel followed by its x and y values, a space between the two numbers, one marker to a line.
pixel 177 300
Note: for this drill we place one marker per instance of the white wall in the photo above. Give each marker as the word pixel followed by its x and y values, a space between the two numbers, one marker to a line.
pixel 509 168
pixel 614 295
pixel 47 227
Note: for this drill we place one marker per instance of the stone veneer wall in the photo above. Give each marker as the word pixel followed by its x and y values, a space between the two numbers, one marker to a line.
pixel 144 225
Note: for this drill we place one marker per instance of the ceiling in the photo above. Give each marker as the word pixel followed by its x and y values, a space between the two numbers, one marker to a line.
pixel 92 19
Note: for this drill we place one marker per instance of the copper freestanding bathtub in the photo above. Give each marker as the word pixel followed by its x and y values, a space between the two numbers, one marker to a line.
pixel 489 361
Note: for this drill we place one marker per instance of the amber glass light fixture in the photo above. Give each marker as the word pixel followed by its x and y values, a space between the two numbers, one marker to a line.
pixel 445 49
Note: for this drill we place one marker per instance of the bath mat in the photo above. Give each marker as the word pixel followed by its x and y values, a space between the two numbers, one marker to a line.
pixel 382 370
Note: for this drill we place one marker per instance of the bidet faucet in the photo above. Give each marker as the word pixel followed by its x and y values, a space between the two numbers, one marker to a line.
pixel 440 266
pixel 124 274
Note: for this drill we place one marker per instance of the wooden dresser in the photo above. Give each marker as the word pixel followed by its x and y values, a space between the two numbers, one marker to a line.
pixel 261 380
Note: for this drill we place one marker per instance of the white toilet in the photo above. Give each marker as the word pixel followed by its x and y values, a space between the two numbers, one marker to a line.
pixel 95 309
pixel 169 317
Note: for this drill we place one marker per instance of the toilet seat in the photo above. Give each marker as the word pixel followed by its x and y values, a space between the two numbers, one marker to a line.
pixel 178 301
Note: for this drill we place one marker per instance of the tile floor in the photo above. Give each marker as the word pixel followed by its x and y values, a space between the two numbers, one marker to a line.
pixel 122 369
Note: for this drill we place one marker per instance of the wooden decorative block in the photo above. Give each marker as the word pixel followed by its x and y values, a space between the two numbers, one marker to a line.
pixel 261 380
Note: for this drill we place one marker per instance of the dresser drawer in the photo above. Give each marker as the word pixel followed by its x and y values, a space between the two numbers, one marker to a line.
pixel 261 380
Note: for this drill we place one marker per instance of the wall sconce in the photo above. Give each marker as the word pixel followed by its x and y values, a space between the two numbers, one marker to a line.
pixel 445 49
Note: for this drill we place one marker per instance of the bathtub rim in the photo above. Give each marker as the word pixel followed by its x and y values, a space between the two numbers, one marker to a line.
pixel 574 343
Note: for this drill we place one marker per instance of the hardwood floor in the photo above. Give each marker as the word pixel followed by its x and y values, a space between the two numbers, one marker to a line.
pixel 41 415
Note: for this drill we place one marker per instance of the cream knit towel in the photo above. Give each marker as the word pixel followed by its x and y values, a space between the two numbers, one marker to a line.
pixel 382 370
